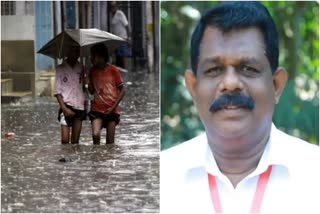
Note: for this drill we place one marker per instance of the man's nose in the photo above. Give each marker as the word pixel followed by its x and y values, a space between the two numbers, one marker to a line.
pixel 231 81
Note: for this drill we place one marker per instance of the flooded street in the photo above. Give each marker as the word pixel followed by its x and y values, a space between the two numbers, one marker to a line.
pixel 123 177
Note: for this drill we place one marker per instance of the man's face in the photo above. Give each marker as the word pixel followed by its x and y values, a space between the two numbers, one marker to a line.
pixel 113 7
pixel 98 61
pixel 234 63
pixel 73 54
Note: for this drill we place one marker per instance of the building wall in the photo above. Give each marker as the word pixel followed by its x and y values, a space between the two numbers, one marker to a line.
pixel 70 15
pixel 18 63
pixel 139 34
pixel 32 21
pixel 33 24
pixel 24 8
pixel 150 38
pixel 17 47
pixel 20 27
pixel 103 7
pixel 43 32
pixel 156 34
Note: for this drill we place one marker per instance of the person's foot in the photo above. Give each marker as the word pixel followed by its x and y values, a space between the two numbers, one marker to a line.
pixel 96 143
pixel 108 143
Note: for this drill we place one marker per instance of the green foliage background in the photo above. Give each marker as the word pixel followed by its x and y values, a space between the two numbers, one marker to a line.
pixel 298 110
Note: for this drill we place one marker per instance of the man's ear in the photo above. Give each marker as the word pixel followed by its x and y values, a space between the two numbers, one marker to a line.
pixel 280 78
pixel 191 82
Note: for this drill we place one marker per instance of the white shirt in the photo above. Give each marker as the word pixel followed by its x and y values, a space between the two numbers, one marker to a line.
pixel 293 186
pixel 69 85
pixel 118 24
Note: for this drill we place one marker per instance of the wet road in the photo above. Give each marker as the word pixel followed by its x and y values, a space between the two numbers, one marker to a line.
pixel 123 177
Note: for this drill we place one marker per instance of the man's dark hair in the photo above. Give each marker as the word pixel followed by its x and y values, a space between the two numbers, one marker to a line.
pixel 100 49
pixel 238 15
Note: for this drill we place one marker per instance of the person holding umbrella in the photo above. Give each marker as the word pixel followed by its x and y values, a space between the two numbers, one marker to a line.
pixel 69 93
pixel 106 84
pixel 69 84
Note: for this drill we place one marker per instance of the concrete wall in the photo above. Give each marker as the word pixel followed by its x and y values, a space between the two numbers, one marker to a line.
pixel 156 34
pixel 70 14
pixel 17 27
pixel 43 33
pixel 18 57
pixel 150 39
pixel 24 8
pixel 17 48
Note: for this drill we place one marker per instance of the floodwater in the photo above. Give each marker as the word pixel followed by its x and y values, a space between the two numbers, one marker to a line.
pixel 123 177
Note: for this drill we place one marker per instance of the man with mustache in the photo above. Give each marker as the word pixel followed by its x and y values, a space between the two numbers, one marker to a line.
pixel 243 163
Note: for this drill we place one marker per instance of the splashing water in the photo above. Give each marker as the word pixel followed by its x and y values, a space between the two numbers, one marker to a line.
pixel 123 177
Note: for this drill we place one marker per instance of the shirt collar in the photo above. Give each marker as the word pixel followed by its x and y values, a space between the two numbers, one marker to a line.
pixel 274 154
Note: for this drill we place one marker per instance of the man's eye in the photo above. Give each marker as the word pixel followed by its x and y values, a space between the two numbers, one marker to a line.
pixel 249 71
pixel 214 71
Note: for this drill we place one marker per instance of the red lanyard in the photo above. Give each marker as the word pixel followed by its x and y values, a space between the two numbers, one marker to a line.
pixel 258 196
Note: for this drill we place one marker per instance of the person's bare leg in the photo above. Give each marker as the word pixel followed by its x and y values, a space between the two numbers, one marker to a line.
pixel 76 130
pixel 111 129
pixel 65 134
pixel 96 130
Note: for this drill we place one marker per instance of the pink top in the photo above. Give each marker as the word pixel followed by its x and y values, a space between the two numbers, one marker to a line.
pixel 69 85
